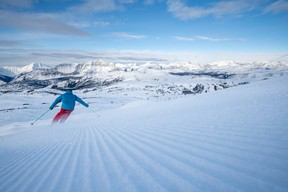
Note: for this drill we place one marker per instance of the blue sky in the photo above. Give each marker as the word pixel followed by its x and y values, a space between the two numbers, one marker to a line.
pixel 50 31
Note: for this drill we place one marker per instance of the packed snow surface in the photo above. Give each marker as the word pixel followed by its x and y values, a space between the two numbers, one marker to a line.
pixel 235 139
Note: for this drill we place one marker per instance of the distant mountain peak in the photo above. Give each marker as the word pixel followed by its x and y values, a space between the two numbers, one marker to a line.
pixel 34 66
pixel 25 69
pixel 281 61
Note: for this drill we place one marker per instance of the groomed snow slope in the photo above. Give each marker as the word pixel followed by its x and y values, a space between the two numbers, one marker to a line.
pixel 231 140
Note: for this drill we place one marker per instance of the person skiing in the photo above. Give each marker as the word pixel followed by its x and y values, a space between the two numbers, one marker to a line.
pixel 68 104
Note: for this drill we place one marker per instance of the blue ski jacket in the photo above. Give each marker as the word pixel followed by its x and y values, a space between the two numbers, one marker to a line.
pixel 68 101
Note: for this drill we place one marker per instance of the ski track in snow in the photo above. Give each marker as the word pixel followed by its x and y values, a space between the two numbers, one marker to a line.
pixel 121 154
pixel 114 158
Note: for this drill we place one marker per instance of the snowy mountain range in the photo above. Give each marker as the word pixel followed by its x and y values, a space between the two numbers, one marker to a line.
pixel 173 78
pixel 142 131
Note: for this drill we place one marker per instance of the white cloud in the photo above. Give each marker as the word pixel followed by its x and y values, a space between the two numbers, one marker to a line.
pixel 185 12
pixel 86 23
pixel 16 3
pixel 125 35
pixel 11 43
pixel 180 10
pixel 232 7
pixel 37 22
pixel 101 5
pixel 277 7
pixel 205 38
pixel 95 6
pixel 183 38
pixel 106 5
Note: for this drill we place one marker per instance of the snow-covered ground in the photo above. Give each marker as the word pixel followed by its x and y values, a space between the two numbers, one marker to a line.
pixel 235 139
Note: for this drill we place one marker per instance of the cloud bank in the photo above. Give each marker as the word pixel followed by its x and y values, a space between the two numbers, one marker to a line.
pixel 37 22
pixel 280 6
pixel 223 8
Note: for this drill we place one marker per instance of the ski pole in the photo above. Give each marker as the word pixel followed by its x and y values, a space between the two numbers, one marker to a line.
pixel 96 112
pixel 40 116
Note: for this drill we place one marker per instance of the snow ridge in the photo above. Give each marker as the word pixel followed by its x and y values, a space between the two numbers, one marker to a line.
pixel 26 69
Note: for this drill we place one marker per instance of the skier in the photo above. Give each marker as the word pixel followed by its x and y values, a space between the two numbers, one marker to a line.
pixel 68 104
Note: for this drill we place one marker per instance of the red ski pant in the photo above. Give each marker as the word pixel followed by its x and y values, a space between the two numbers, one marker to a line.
pixel 62 115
